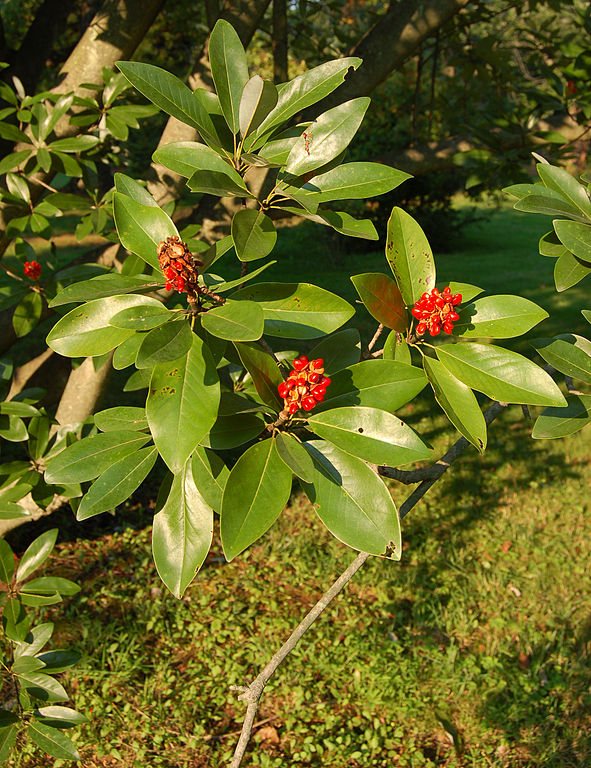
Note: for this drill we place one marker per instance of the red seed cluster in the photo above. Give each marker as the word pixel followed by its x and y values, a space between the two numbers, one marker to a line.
pixel 305 386
pixel 436 310
pixel 32 270
pixel 179 266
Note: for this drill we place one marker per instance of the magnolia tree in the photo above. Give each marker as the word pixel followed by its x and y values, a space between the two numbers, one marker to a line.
pixel 316 405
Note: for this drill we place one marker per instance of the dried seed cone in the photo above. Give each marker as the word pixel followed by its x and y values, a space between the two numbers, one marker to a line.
pixel 179 266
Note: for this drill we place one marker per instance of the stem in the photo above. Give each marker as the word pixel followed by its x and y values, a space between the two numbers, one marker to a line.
pixel 375 337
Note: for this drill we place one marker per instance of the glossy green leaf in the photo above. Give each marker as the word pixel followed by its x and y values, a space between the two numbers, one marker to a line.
pixel 586 314
pixel 127 352
pixel 182 403
pixel 16 408
pixel 294 456
pixel 86 330
pixel 232 430
pixel 549 245
pixel 102 286
pixel 167 342
pixel 182 533
pixel 298 310
pixel 235 321
pixel 264 371
pixel 467 290
pixel 338 350
pixel 256 492
pixel 561 422
pixel 258 98
pixel 188 157
pixel 36 554
pixel 217 183
pixel 382 299
pixel 303 91
pixel 353 181
pixel 500 374
pixel 58 660
pixel 339 221
pixel 396 348
pixel 141 227
pixel 568 353
pixel 27 313
pixel 210 475
pixel 384 384
pixel 229 70
pixel 60 717
pixel 35 640
pixel 224 286
pixel 6 562
pixel 171 95
pixel 371 434
pixel 277 149
pixel 88 458
pixel 15 621
pixel 74 143
pixel 7 741
pixel 566 185
pixel 576 238
pixel 52 741
pixel 43 687
pixel 409 255
pixel 326 137
pixel 13 429
pixel 143 317
pixel 49 585
pixel 568 271
pixel 253 234
pixel 547 205
pixel 500 317
pixel 117 483
pixel 353 502
pixel 121 417
pixel 130 187
pixel 458 403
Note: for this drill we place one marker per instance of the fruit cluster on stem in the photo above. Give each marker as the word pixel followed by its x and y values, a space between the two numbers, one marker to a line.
pixel 32 270
pixel 305 386
pixel 436 310
pixel 179 266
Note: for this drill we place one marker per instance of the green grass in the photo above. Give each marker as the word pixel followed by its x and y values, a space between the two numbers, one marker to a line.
pixel 485 623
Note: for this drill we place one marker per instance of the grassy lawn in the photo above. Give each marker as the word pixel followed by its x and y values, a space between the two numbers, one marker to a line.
pixel 473 651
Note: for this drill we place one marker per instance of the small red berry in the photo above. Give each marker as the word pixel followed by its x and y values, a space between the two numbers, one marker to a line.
pixel 456 299
pixel 32 270
pixel 313 377
pixel 453 316
pixel 435 330
pixel 325 381
pixel 318 363
pixel 447 328
pixel 293 407
pixel 283 389
pixel 421 328
pixel 300 363
pixel 417 312
pixel 308 403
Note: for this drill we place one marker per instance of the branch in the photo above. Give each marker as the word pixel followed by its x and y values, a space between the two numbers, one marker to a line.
pixel 253 692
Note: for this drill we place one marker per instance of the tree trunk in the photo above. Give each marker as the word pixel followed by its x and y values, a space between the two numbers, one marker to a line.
pixel 280 41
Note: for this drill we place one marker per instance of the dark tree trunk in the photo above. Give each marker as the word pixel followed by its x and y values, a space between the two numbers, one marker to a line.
pixel 280 41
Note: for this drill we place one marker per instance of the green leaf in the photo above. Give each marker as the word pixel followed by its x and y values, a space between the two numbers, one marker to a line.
pixel 326 137
pixel 27 313
pixel 396 348
pixel 182 533
pixel 297 310
pixel 127 352
pixel 142 318
pixel 60 717
pixel 182 403
pixel 14 619
pixel 50 584
pixel 89 457
pixel 188 157
pixel 6 562
pixel 546 205
pixel 458 403
pixel 86 330
pixel 15 408
pixel 52 741
pixel 569 271
pixel 232 430
pixel 43 687
pixel 549 245
pixel 409 256
pixel 294 456
pixel 256 492
pixel 7 741
pixel 370 434
pixel 117 483
pixel 36 554
pixel 223 286
pixel 568 353
pixel 58 660
pixel 353 502
pixel 264 370
pixel 123 417
pixel 35 640
pixel 353 181
pixel 303 91
pixel 217 183
pixel 384 384
pixel 467 290
pixel 338 350
pixel 13 429
pixel 586 314
pixel 229 70
pixel 253 235
pixel 141 227
pixel 500 317
pixel 382 299
pixel 575 237
pixel 276 151
pixel 104 286
pixel 171 95
pixel 500 374
pixel 167 342
pixel 235 321
pixel 339 221
pixel 74 143
pixel 567 186
pixel 561 422
pixel 258 98
pixel 131 188
pixel 210 475
pixel 26 664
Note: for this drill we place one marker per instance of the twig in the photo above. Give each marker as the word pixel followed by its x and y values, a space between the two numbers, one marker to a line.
pixel 252 693
pixel 375 337
pixel 572 390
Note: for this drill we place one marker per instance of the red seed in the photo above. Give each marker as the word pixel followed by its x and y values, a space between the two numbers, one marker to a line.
pixel 435 330
pixel 313 377
pixel 456 299
pixel 318 396
pixel 299 365
pixel 416 312
pixel 440 302
pixel 425 313
pixel 308 403
pixel 319 391
pixel 421 328
pixel 283 389
pixel 325 381
pixel 453 316
pixel 448 328
pixel 434 292
pixel 293 407
pixel 318 363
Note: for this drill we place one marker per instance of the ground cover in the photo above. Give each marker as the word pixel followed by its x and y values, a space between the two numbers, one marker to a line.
pixel 473 651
